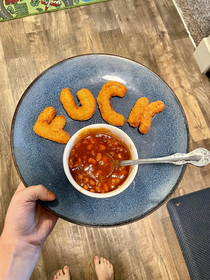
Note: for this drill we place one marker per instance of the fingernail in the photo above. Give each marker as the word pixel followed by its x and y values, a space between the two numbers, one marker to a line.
pixel 51 195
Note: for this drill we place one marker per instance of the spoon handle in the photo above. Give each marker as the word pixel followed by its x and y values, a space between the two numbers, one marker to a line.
pixel 198 157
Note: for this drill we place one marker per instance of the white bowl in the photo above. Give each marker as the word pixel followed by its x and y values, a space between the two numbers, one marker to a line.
pixel 112 130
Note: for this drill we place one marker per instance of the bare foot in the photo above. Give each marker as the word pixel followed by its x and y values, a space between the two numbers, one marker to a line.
pixel 63 274
pixel 104 269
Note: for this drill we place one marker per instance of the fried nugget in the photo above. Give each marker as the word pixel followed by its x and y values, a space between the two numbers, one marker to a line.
pixel 137 111
pixel 50 127
pixel 142 113
pixel 107 112
pixel 87 101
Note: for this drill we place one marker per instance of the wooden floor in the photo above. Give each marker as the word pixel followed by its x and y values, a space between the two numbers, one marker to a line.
pixel 150 32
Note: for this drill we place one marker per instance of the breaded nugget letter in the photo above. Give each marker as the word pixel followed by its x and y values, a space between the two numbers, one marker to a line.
pixel 137 112
pixel 50 127
pixel 142 113
pixel 87 101
pixel 107 112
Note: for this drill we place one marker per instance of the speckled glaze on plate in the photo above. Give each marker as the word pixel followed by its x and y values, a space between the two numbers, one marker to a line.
pixel 39 161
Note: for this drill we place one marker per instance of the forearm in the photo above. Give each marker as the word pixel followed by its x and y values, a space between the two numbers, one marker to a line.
pixel 17 258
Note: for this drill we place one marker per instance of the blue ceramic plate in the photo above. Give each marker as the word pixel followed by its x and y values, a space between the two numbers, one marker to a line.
pixel 39 161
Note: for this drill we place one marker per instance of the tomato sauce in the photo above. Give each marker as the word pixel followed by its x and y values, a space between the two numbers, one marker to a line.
pixel 89 163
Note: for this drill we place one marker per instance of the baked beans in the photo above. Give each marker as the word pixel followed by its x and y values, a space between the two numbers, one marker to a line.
pixel 89 163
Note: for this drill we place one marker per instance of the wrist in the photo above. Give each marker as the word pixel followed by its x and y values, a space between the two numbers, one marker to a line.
pixel 17 258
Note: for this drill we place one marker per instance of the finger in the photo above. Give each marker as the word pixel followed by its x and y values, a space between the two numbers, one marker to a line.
pixel 20 187
pixel 53 218
pixel 34 193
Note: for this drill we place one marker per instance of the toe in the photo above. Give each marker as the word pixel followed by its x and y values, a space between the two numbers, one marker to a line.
pixel 59 273
pixel 66 268
pixel 96 259
pixel 101 260
pixel 66 272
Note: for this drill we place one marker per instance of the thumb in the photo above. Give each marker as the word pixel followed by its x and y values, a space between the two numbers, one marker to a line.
pixel 34 193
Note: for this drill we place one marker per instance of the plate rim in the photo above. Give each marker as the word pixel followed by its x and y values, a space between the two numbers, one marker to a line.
pixel 131 220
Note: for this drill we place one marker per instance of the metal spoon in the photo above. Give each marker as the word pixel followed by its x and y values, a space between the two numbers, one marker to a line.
pixel 198 157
